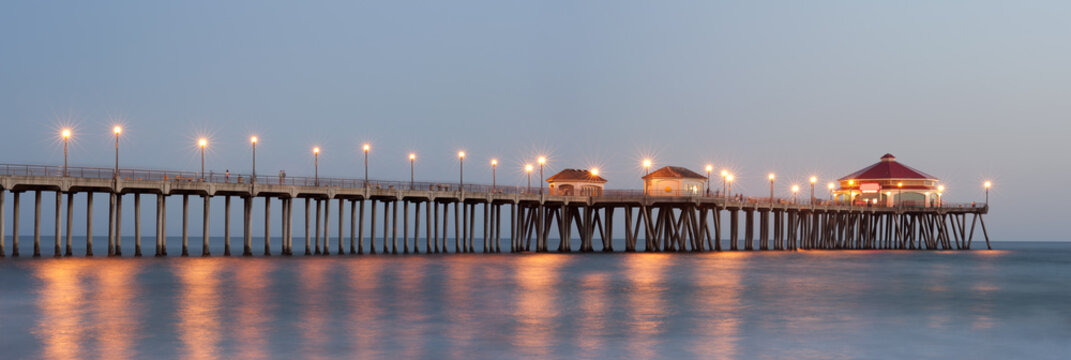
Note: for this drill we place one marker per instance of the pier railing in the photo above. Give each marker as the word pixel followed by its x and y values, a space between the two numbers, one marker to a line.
pixel 233 178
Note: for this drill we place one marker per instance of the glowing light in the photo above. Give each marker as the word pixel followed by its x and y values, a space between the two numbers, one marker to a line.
pixel 988 184
pixel 595 171
pixel 830 186
pixel 940 189
pixel 646 163
pixel 117 130
pixel 202 142
pixel 542 160
pixel 814 179
pixel 66 133
pixel 527 167
pixel 724 173
pixel 494 162
pixel 316 150
pixel 253 139
pixel 795 188
pixel 729 177
pixel 851 182
pixel 771 176
pixel 710 168
pixel 461 154
pixel 412 156
pixel 367 147
pixel 899 184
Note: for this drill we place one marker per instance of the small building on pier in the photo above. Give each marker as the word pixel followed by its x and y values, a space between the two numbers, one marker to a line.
pixel 674 181
pixel 576 182
pixel 889 183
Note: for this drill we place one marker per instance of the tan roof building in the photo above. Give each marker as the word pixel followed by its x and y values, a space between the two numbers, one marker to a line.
pixel 674 181
pixel 576 182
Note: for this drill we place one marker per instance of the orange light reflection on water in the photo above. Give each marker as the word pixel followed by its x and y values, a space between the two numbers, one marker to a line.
pixel 62 306
pixel 537 278
pixel 254 313
pixel 199 307
pixel 646 303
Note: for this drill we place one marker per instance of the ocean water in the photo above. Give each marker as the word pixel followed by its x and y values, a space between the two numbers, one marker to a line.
pixel 1011 303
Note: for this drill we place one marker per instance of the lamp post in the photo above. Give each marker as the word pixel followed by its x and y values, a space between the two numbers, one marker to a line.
pixel 253 141
pixel 117 130
pixel 795 194
pixel 461 166
pixel 813 180
pixel 494 174
pixel 366 148
pixel 528 170
pixel 830 186
pixel 412 166
pixel 66 133
pixel 709 169
pixel 724 175
pixel 203 143
pixel 729 178
pixel 851 194
pixel 900 194
pixel 542 161
pixel 987 185
pixel 771 188
pixel 940 190
pixel 646 172
pixel 316 166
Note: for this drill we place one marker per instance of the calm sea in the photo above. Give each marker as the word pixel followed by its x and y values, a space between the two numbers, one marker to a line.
pixel 1011 303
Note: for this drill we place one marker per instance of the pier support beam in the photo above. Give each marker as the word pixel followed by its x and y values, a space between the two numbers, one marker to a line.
pixel 57 251
pixel 319 209
pixel 341 222
pixel 185 225
pixel 37 224
pixel 308 239
pixel 137 224
pixel 118 224
pixel 227 225
pixel 247 226
pixel 89 223
pixel 111 224
pixel 327 227
pixel 267 226
pixel 204 226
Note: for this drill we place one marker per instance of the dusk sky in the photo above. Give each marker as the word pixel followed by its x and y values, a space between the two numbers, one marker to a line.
pixel 965 90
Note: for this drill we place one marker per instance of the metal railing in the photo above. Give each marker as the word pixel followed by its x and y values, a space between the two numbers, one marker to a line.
pixel 228 178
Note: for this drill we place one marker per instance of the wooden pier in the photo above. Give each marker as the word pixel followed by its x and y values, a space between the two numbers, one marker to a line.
pixel 662 223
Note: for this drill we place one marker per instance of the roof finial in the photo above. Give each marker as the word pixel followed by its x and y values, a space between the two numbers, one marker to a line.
pixel 888 157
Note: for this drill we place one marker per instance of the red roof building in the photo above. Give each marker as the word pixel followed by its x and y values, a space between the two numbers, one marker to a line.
pixel 890 183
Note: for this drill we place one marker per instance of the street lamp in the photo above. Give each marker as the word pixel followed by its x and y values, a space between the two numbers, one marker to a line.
pixel 724 174
pixel 366 148
pixel 813 180
pixel 412 162
pixel 461 164
pixel 851 194
pixel 771 188
pixel 202 143
pixel 117 130
pixel 528 170
pixel 66 133
pixel 987 185
pixel 646 172
pixel 830 186
pixel 729 178
pixel 709 169
pixel 494 174
pixel 253 140
pixel 795 193
pixel 316 165
pixel 542 160
pixel 940 190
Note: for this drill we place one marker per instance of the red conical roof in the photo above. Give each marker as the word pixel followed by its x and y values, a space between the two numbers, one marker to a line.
pixel 888 168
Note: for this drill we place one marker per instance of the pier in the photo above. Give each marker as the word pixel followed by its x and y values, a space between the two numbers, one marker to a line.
pixel 674 223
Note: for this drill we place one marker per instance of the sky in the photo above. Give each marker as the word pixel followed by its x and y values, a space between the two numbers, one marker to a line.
pixel 965 90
